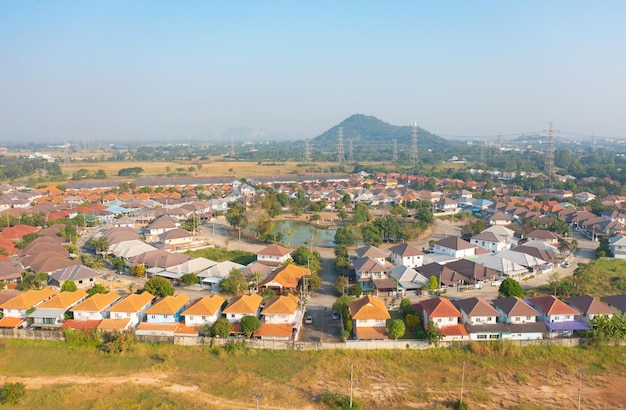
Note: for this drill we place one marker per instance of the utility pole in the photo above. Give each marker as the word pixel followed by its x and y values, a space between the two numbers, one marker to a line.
pixel 257 397
pixel 580 386
pixel 462 382
pixel 350 154
pixel 307 152
pixel 351 381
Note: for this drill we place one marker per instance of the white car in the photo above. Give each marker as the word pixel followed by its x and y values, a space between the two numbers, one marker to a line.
pixel 308 320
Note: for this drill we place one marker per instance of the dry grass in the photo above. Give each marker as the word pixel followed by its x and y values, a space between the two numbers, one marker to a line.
pixel 495 377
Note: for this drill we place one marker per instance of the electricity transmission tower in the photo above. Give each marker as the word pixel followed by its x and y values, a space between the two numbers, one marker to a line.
pixel 414 159
pixel 394 156
pixel 341 159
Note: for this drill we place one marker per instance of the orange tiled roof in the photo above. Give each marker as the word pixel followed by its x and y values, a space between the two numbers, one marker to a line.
pixel 188 330
pixel 113 324
pixel 169 305
pixel 97 302
pixel 64 300
pixel 274 330
pixel 207 306
pixel 368 307
pixel 11 322
pixel 244 304
pixel 281 305
pixel 132 303
pixel 28 299
pixel 158 326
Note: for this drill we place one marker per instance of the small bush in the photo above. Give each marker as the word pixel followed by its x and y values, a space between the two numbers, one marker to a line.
pixel 338 401
pixel 12 392
pixel 236 347
pixel 460 405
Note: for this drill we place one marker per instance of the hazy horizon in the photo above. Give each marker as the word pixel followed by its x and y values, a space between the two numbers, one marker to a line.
pixel 145 71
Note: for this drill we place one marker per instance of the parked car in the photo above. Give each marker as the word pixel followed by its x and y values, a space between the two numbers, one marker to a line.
pixel 308 320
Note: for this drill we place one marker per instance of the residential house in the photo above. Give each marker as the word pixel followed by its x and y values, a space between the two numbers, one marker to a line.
pixel 161 225
pixel 210 278
pixel 447 205
pixel 520 317
pixel 371 252
pixel 406 255
pixel 455 247
pixel 81 275
pixel 544 235
pixel 617 246
pixel 95 307
pixel 285 279
pixel 176 240
pixel 617 302
pixel 408 279
pixel 128 312
pixel 280 318
pixel 480 321
pixel 590 307
pixel 273 255
pixel 369 317
pixel 367 270
pixel 163 318
pixel 560 319
pixel 499 219
pixel 445 316
pixel 51 313
pixel 491 241
pixel 205 311
pixel 240 306
pixel 17 308
pixel 504 267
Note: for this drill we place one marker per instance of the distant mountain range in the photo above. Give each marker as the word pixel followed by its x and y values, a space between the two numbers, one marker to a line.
pixel 370 130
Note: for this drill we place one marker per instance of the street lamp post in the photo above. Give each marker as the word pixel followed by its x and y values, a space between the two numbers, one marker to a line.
pixel 257 397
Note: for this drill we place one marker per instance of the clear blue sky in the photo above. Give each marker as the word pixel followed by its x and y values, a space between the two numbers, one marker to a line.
pixel 140 71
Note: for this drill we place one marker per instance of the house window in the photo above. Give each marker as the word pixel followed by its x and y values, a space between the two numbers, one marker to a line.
pixel 203 317
pixel 165 316
pixel 494 336
pixel 568 317
pixel 478 319
pixel 517 318
pixel 153 317
pixel 191 318
pixel 557 318
pixel 490 319
pixel 528 317
pixel 439 320
pixel 450 319
pixel 481 336
pixel 379 321
pixel 232 315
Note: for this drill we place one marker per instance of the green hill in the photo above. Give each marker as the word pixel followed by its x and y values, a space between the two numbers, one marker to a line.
pixel 365 129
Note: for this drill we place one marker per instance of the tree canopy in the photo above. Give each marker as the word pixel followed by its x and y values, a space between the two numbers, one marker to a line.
pixel 510 287
pixel 159 286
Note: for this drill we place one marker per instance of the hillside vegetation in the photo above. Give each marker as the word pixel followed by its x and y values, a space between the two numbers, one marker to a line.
pixel 602 277
pixel 497 375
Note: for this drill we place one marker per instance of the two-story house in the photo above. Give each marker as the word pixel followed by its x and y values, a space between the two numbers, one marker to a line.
pixel 408 255
pixel 51 313
pixel 176 240
pixel 369 317
pixel 520 318
pixel 127 313
pixel 491 241
pixel 280 318
pixel 444 315
pixel 560 319
pixel 273 255
pixel 205 311
pixel 17 308
pixel 480 319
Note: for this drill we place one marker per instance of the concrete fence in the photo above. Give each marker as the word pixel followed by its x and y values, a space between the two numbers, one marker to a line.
pixel 32 334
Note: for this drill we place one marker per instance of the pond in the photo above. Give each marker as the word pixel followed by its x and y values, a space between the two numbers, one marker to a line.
pixel 301 234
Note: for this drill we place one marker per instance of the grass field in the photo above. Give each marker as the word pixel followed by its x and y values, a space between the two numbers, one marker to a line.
pixel 168 377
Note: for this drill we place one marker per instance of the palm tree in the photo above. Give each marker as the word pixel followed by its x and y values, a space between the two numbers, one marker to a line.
pixel 257 277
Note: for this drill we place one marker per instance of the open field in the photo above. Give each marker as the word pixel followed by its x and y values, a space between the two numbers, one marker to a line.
pixel 168 377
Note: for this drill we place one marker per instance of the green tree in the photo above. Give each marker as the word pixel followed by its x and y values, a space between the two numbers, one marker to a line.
pixel 356 290
pixel 159 286
pixel 221 328
pixel 189 279
pixel 433 283
pixel 69 286
pixel 344 236
pixel 250 324
pixel 406 307
pixel 433 334
pixel 361 214
pixel 510 287
pixel 397 329
pixel 97 288
pixel 371 235
pixel 138 270
pixel 11 393
pixel 234 284
pixel 413 322
pixel 340 285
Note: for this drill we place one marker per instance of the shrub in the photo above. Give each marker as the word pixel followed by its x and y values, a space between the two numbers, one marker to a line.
pixel 337 401
pixel 12 392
